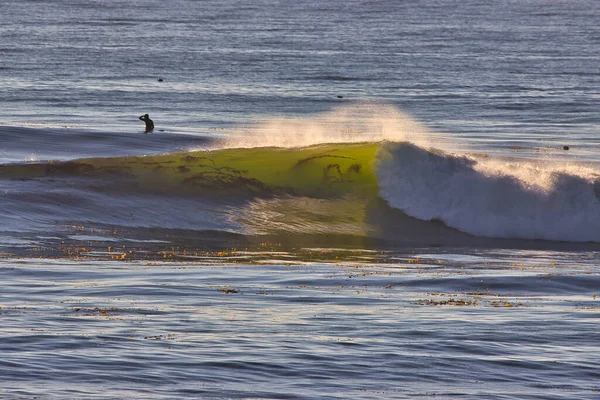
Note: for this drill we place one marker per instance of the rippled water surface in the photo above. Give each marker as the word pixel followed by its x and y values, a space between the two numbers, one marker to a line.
pixel 518 72
pixel 495 324
pixel 466 266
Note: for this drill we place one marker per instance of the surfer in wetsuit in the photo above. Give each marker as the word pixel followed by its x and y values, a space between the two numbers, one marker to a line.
pixel 149 123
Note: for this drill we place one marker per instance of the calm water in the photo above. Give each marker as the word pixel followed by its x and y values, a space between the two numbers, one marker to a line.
pixel 473 274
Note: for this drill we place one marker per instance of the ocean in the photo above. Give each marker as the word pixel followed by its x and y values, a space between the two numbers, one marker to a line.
pixel 339 200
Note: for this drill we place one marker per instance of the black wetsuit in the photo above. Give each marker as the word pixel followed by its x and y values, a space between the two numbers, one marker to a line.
pixel 148 121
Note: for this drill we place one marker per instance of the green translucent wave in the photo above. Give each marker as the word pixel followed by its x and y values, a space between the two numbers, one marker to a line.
pixel 316 171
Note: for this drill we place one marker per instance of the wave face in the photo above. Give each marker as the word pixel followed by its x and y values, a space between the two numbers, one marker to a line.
pixel 318 171
pixel 320 189
pixel 396 191
pixel 498 199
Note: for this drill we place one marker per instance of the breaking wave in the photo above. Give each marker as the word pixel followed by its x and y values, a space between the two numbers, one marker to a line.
pixel 363 170
pixel 500 199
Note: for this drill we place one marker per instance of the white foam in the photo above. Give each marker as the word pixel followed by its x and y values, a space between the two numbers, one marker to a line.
pixel 516 199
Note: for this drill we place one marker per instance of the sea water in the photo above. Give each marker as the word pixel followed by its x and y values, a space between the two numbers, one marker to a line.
pixel 424 224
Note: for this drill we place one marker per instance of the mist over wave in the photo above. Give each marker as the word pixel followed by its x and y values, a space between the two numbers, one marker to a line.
pixel 352 123
pixel 512 199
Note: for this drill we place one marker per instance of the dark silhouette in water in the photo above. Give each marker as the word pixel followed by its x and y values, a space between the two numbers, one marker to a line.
pixel 149 123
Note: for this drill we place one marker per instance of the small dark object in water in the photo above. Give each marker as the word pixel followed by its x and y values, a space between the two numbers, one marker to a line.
pixel 565 147
pixel 148 121
pixel 160 79
pixel 340 97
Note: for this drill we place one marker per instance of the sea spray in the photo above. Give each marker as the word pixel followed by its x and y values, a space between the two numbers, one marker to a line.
pixel 352 123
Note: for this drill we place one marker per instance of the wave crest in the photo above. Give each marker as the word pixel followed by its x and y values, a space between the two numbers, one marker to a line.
pixel 517 199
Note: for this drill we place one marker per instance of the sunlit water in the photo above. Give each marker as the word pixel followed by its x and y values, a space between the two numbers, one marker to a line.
pixel 495 324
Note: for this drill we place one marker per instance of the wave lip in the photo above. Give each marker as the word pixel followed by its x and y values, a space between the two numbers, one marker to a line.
pixel 512 200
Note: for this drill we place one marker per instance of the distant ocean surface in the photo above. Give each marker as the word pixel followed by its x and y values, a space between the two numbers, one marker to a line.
pixel 357 199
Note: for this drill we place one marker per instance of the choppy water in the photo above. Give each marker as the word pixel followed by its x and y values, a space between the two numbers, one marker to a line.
pixel 457 257
pixel 377 325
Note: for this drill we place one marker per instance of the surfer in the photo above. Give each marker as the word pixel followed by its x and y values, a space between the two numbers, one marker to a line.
pixel 148 121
